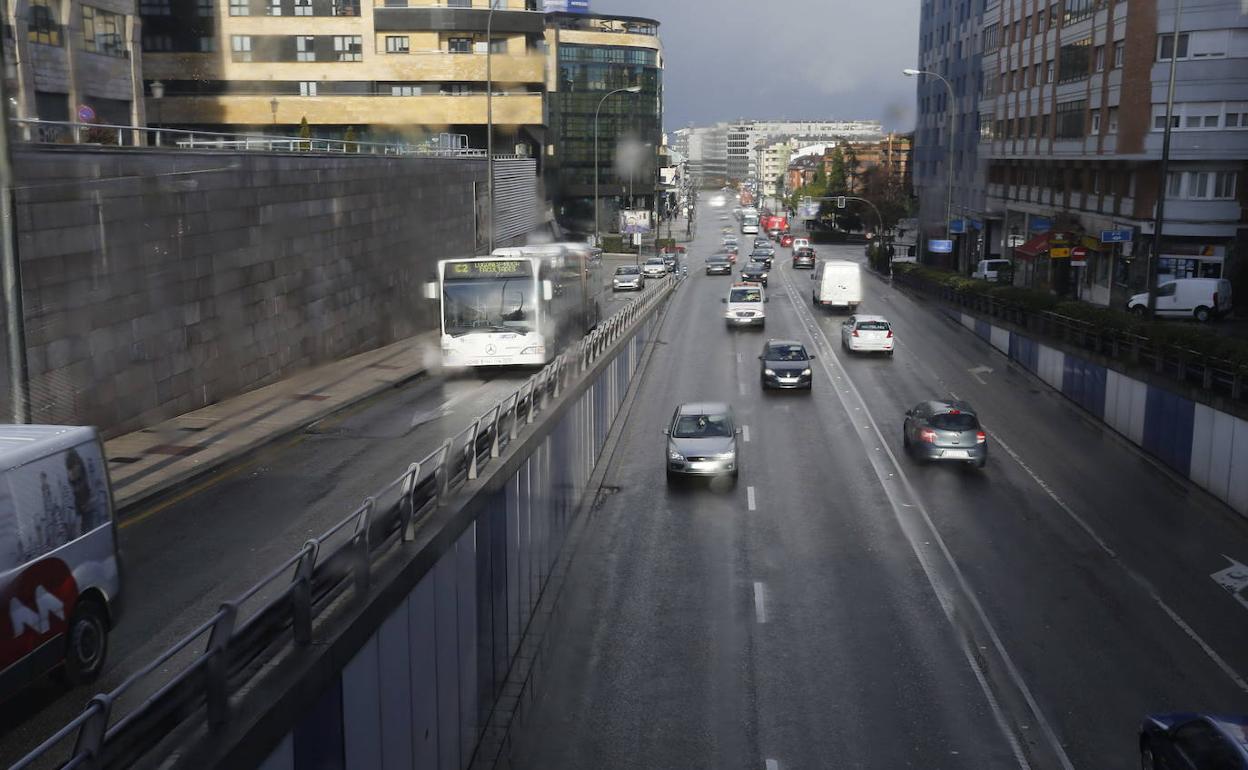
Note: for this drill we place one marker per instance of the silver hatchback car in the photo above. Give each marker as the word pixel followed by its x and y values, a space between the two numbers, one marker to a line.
pixel 702 441
pixel 945 430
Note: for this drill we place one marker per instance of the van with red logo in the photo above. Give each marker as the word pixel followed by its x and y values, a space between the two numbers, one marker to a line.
pixel 60 574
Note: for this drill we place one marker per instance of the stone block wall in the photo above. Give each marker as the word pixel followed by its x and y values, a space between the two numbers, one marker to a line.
pixel 158 282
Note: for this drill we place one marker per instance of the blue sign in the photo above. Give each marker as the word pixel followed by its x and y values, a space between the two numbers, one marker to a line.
pixel 565 6
pixel 940 246
pixel 1116 236
pixel 1041 224
pixel 85 113
pixel 976 224
pixel 957 226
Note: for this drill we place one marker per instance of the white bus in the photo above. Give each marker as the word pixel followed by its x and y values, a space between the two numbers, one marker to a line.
pixel 749 222
pixel 518 306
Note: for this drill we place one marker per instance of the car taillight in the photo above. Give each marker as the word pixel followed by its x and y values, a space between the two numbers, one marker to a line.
pixel 980 437
pixel 855 332
pixel 890 334
pixel 928 435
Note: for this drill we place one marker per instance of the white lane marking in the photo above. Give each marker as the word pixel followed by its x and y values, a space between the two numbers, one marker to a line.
pixel 943 592
pixel 1234 579
pixel 738 358
pixel 977 371
pixel 745 433
pixel 741 388
pixel 772 764
pixel 760 602
pixel 749 497
pixel 1136 577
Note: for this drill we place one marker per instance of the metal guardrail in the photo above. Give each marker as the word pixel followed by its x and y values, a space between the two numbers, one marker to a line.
pixel 56 132
pixel 223 650
pixel 1215 375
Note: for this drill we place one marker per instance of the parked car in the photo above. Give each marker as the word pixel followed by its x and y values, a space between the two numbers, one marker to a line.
pixel 654 267
pixel 60 572
pixel 994 270
pixel 838 284
pixel 627 278
pixel 1201 298
pixel 785 364
pixel 702 441
pixel 945 430
pixel 718 264
pixel 1194 742
pixel 867 333
pixel 745 305
pixel 755 271
pixel 804 258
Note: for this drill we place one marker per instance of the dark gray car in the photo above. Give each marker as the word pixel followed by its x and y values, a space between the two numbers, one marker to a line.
pixel 702 441
pixel 718 264
pixel 945 430
pixel 785 364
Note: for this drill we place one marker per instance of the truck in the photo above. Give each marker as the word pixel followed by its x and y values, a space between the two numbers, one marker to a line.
pixel 774 225
pixel 838 284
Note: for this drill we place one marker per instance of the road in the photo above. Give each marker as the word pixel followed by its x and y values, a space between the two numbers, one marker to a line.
pixel 845 607
pixel 213 540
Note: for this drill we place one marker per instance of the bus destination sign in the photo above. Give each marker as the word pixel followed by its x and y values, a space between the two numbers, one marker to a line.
pixel 508 268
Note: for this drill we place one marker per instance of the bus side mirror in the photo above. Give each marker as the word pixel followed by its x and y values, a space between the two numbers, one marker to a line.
pixel 431 290
pixel 548 290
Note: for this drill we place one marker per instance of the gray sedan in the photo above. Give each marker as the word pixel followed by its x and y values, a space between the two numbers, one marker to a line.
pixel 702 441
pixel 627 278
pixel 945 430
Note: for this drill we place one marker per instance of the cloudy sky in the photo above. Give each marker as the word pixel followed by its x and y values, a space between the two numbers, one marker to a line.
pixel 728 59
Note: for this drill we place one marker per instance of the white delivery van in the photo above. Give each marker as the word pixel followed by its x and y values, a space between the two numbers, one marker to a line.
pixel 1200 298
pixel 60 575
pixel 745 302
pixel 991 269
pixel 838 284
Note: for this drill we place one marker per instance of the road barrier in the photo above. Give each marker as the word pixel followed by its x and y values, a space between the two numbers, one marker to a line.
pixel 197 687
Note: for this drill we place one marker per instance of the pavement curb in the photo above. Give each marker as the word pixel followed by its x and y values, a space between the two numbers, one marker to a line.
pixel 126 507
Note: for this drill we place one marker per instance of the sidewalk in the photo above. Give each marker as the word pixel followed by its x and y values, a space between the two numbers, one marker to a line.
pixel 157 459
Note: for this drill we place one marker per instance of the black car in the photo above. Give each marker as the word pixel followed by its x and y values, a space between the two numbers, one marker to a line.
pixel 945 430
pixel 1194 742
pixel 785 364
pixel 755 271
pixel 669 259
pixel 804 258
pixel 718 264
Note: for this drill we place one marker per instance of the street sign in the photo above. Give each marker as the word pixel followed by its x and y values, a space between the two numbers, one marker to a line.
pixel 85 113
pixel 1016 240
pixel 634 221
pixel 1059 252
pixel 957 226
pixel 1040 224
pixel 1078 263
pixel 940 246
pixel 840 202
pixel 1079 252
pixel 1115 236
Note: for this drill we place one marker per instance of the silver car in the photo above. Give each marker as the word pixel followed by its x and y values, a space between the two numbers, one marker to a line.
pixel 654 267
pixel 945 430
pixel 627 278
pixel 702 441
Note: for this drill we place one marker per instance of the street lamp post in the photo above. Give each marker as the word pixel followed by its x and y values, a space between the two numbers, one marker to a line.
pixel 607 95
pixel 953 128
pixel 158 93
pixel 489 121
pixel 1154 254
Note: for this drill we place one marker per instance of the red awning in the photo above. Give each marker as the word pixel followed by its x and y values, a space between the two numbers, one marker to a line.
pixel 1035 247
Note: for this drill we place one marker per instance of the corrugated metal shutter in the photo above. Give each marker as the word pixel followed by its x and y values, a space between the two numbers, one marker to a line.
pixel 515 197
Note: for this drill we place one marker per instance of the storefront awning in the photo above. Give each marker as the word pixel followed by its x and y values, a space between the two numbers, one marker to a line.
pixel 1034 247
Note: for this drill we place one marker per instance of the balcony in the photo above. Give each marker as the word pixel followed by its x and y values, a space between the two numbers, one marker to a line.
pixel 435 110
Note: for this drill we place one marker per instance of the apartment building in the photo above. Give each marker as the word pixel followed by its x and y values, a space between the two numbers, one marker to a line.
pixel 380 69
pixel 706 151
pixel 746 137
pixel 1072 124
pixel 775 158
pixel 949 46
pixel 67 60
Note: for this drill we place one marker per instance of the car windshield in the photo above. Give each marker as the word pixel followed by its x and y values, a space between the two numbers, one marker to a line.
pixel 787 353
pixel 627 270
pixel 702 426
pixel 954 421
pixel 655 261
pixel 745 294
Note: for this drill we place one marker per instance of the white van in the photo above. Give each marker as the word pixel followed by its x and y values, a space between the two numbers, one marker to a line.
pixel 60 575
pixel 799 243
pixel 745 302
pixel 838 283
pixel 991 269
pixel 1200 298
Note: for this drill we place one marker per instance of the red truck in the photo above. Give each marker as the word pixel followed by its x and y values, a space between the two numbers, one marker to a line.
pixel 774 225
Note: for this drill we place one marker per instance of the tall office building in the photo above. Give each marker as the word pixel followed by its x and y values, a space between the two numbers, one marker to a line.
pixel 950 45
pixel 706 149
pixel 1072 122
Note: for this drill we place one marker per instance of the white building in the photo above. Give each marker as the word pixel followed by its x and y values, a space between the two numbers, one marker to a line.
pixel 745 138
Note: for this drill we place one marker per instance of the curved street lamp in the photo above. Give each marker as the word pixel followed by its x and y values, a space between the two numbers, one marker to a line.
pixel 953 127
pixel 607 95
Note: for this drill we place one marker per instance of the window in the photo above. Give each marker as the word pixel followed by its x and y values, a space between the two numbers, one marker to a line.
pixel 985 127
pixel 42 19
pixel 1036 75
pixel 459 45
pixel 404 89
pixel 458 89
pixel 1039 21
pixel 1165 46
pixel 1076 10
pixel 458 3
pixel 275 7
pixel 240 47
pixel 307 88
pixel 1098 59
pixel 398 44
pixel 303 7
pixel 1224 184
pixel 240 7
pixel 1048 71
pixel 1053 18
pixel 205 9
pixel 1236 115
pixel 1119 54
pixel 498 46
pixel 146 7
pixel 1071 119
pixel 348 7
pixel 1096 122
pixel 157 42
pixel 1072 61
pixel 1113 120
pixel 1202 185
pixel 349 47
pixel 1209 43
pixel 102 31
pixel 1044 126
pixel 206 44
pixel 1194 116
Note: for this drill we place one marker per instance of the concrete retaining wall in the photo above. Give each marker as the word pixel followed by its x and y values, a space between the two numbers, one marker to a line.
pixel 1206 445
pixel 158 282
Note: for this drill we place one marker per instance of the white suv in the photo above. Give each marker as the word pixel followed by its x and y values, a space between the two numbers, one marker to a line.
pixel 745 302
pixel 800 243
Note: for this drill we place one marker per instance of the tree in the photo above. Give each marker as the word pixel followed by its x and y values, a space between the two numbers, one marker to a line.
pixel 835 182
pixel 851 166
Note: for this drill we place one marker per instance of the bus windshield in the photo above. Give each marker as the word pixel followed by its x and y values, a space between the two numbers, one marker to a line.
pixel 488 305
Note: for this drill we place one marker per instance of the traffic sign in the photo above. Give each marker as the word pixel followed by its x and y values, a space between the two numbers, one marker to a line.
pixel 1079 252
pixel 85 113
pixel 957 226
pixel 1115 236
pixel 940 246
pixel 1059 252
pixel 1078 263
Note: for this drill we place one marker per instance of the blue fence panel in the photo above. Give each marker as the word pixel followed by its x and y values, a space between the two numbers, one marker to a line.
pixel 983 330
pixel 1025 351
pixel 318 735
pixel 1168 421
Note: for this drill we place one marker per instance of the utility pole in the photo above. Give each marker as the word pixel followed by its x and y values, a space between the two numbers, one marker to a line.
pixel 11 271
pixel 1154 254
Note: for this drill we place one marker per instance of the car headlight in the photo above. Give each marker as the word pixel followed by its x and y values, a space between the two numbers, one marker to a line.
pixel 770 372
pixel 805 372
pixel 725 455
pixel 674 455
pixel 764 275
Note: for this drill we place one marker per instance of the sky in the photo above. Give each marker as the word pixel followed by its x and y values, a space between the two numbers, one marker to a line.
pixel 817 59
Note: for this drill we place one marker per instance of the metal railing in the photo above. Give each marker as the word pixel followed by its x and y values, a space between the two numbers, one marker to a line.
pixel 57 132
pixel 1215 375
pixel 221 655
